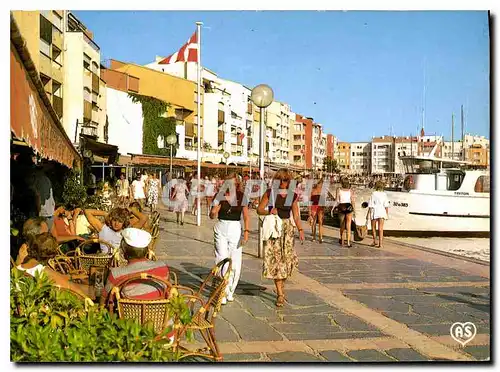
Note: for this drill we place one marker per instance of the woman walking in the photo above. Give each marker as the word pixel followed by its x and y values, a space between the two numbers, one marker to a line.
pixel 180 199
pixel 227 232
pixel 209 192
pixel 317 211
pixel 138 190
pixel 122 187
pixel 153 192
pixel 280 258
pixel 346 202
pixel 378 211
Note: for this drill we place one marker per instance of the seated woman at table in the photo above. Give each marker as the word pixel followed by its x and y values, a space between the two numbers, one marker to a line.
pixel 111 230
pixel 33 256
pixel 63 228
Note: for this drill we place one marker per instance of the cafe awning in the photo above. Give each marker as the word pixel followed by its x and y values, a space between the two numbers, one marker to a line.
pixel 32 117
pixel 105 152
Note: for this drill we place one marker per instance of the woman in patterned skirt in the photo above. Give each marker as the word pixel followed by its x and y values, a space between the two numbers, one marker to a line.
pixel 280 258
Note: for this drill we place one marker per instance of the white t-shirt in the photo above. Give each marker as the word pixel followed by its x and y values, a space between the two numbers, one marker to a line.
pixel 112 237
pixel 377 204
pixel 37 269
pixel 138 187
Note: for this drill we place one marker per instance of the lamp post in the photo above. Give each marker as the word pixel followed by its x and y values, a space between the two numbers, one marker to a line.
pixel 171 140
pixel 262 96
pixel 226 156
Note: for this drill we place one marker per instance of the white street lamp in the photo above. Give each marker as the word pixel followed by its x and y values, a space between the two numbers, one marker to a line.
pixel 171 140
pixel 226 155
pixel 262 95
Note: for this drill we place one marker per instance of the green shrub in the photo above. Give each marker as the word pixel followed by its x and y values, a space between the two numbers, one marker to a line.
pixel 50 325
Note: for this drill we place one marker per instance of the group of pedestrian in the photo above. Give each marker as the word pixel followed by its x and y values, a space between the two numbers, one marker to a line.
pixel 145 190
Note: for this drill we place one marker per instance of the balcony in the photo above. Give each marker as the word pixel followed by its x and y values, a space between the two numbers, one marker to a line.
pixel 91 42
pixel 57 73
pixel 221 117
pixel 190 131
pixel 57 103
pixel 249 108
pixel 220 137
pixel 95 83
pixel 89 130
pixel 87 111
pixel 250 143
pixel 46 65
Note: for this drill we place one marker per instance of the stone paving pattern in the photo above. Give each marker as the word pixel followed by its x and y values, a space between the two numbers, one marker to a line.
pixel 286 333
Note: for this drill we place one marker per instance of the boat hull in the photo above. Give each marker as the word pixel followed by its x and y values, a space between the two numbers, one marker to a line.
pixel 418 214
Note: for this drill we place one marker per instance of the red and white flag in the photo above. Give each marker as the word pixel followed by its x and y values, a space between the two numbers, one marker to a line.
pixel 187 53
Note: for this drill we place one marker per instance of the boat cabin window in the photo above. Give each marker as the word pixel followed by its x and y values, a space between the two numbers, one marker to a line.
pixel 425 166
pixel 482 184
pixel 455 180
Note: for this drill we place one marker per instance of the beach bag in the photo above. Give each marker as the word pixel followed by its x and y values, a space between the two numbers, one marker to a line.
pixel 360 231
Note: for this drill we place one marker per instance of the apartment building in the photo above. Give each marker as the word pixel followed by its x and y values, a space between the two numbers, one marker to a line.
pixel 278 133
pixel 344 156
pixel 478 155
pixel 331 145
pixel 85 93
pixel 44 33
pixel 427 144
pixel 318 147
pixel 360 158
pixel 382 156
pixel 453 150
pixel 297 143
pixel 306 126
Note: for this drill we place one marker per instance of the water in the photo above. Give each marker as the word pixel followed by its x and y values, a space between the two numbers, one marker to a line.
pixel 478 248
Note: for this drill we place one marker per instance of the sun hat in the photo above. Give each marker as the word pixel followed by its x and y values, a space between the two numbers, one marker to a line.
pixel 136 238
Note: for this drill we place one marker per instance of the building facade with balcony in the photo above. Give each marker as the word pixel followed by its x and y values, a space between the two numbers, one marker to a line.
pixel 318 147
pixel 360 158
pixel 297 142
pixel 85 93
pixel 382 156
pixel 331 145
pixel 403 146
pixel 344 156
pixel 307 138
pixel 44 33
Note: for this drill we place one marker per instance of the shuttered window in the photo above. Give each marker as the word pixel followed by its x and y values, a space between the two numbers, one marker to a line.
pixel 45 30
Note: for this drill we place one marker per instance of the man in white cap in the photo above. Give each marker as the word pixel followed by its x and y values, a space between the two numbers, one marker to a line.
pixel 135 247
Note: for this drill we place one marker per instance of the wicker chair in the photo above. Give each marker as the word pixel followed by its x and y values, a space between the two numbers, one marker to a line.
pixel 205 312
pixel 155 233
pixel 66 265
pixel 144 311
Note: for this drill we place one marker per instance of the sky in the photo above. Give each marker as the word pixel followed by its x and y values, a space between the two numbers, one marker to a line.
pixel 359 74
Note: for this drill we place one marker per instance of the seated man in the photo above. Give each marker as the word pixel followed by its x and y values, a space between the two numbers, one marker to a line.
pixel 135 246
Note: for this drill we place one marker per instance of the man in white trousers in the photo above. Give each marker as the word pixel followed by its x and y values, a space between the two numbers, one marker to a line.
pixel 228 207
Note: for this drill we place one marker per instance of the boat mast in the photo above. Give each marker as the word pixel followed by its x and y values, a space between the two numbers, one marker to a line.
pixel 452 137
pixel 463 138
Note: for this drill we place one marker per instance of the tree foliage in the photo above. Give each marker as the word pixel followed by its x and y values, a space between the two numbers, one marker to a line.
pixel 330 165
pixel 50 325
pixel 154 124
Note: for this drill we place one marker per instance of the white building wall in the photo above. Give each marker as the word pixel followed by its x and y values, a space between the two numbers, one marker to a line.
pixel 125 122
pixel 73 83
pixel 360 156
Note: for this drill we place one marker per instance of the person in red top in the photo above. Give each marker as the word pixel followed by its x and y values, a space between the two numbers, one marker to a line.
pixel 134 245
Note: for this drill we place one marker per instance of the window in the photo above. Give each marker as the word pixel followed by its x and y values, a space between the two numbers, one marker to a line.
pixel 45 30
pixel 94 97
pixel 86 94
pixel 95 68
pixel 297 137
pixel 86 61
pixel 45 48
pixel 455 180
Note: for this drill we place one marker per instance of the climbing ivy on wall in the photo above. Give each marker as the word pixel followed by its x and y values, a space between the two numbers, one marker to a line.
pixel 154 124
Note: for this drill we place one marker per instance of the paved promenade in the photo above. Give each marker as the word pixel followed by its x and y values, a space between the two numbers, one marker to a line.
pixel 344 304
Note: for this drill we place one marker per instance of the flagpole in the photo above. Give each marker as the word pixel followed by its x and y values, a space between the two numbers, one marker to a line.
pixel 198 99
